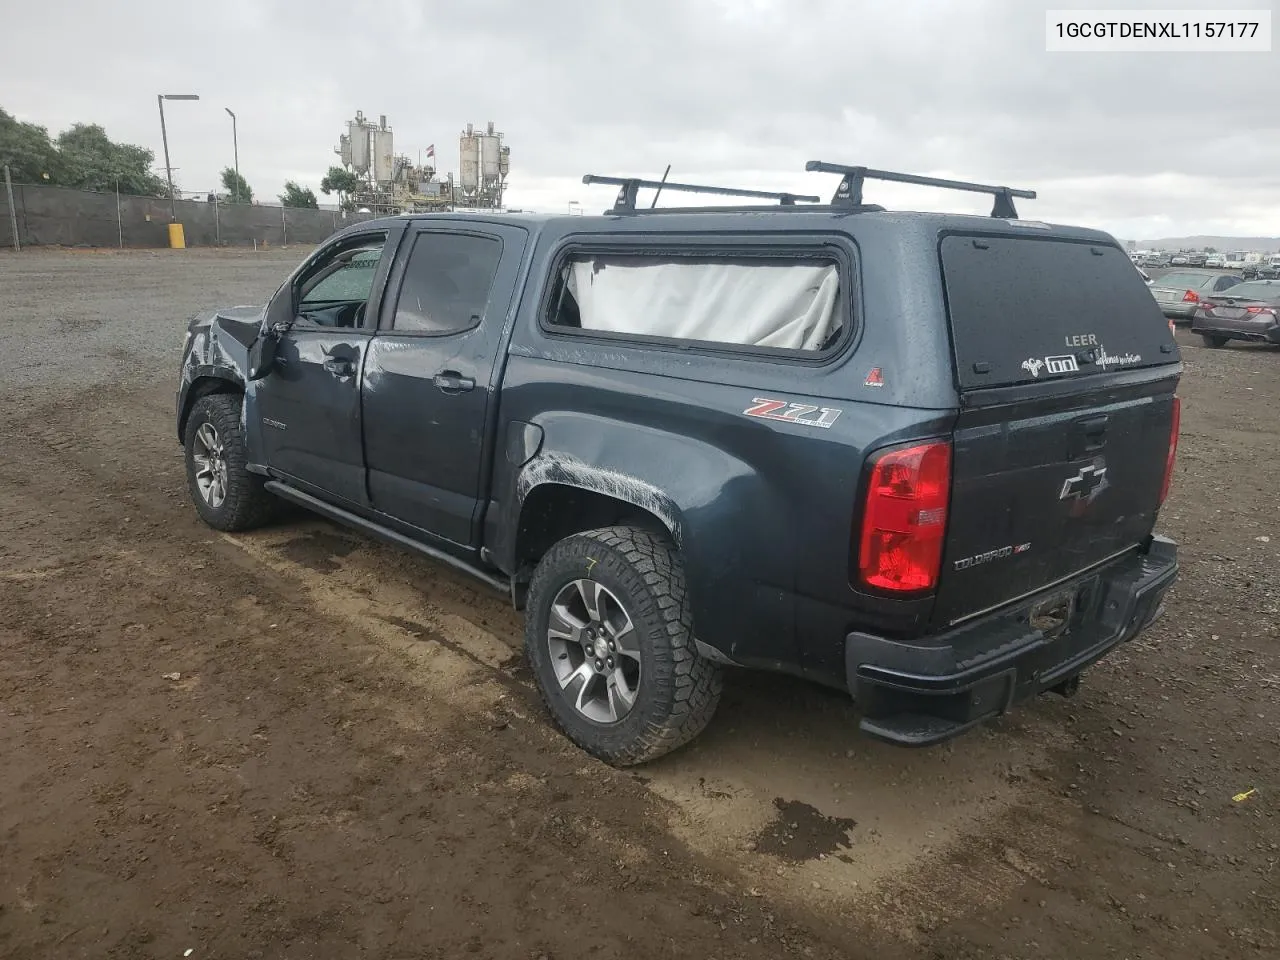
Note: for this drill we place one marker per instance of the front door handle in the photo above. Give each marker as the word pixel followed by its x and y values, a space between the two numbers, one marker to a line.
pixel 339 367
pixel 450 381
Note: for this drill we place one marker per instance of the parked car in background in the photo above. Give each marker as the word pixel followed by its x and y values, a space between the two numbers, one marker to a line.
pixel 1269 269
pixel 1179 292
pixel 1196 259
pixel 1146 278
pixel 1234 261
pixel 1178 260
pixel 1215 261
pixel 1247 311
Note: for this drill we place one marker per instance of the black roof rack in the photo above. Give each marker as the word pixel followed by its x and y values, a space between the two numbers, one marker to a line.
pixel 626 201
pixel 849 193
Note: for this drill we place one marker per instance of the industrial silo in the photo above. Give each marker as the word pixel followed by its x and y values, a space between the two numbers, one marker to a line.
pixel 469 161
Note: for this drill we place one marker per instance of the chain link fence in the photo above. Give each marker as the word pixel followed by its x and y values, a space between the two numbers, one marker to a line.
pixel 58 216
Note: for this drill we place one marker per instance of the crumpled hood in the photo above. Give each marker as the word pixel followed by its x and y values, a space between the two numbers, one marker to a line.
pixel 239 322
pixel 251 313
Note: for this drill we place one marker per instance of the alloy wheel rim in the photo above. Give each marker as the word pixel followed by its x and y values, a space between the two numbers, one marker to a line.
pixel 594 651
pixel 210 459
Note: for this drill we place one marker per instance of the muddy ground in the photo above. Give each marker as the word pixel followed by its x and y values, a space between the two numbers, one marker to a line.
pixel 298 743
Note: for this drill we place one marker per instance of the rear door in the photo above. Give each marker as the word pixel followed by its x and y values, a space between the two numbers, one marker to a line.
pixel 430 373
pixel 1067 371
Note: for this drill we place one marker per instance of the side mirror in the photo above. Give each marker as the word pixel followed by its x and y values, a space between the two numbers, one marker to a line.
pixel 262 353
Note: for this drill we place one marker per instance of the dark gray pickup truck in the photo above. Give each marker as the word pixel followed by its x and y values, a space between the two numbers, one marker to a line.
pixel 918 457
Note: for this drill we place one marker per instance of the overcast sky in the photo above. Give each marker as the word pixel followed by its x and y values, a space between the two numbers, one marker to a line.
pixel 733 91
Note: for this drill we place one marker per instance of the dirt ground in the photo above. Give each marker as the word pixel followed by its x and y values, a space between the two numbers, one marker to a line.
pixel 298 743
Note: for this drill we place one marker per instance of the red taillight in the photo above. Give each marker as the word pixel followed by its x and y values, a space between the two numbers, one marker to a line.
pixel 1173 449
pixel 1261 310
pixel 1191 297
pixel 904 519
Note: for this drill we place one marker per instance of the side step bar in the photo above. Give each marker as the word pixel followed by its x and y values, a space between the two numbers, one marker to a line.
pixel 386 534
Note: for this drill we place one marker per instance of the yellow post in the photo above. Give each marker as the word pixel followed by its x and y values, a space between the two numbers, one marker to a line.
pixel 177 240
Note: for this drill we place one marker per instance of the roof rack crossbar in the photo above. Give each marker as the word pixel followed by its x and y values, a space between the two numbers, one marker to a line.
pixel 849 193
pixel 630 188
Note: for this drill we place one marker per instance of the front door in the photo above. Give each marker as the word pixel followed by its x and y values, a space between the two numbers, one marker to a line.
pixel 309 404
pixel 431 372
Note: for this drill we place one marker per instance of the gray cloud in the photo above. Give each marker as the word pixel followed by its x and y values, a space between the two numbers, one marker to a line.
pixel 1140 144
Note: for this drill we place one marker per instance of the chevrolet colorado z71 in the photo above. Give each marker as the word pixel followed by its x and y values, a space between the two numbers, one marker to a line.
pixel 914 456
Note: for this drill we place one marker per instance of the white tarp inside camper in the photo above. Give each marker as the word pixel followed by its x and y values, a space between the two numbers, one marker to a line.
pixel 787 306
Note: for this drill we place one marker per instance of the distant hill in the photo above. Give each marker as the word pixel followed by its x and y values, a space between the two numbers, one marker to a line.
pixel 1259 244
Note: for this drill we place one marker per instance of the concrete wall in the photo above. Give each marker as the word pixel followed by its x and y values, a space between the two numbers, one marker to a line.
pixel 56 216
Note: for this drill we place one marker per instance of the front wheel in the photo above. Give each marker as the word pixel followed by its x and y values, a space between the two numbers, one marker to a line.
pixel 609 636
pixel 227 496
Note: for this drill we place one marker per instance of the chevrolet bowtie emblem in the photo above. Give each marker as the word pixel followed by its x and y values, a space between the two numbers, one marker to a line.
pixel 1084 484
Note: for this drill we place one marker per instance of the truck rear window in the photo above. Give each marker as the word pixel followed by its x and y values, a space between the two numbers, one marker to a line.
pixel 1026 309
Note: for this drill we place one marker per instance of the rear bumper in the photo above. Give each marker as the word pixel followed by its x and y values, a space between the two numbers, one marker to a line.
pixel 1178 311
pixel 925 691
pixel 1255 331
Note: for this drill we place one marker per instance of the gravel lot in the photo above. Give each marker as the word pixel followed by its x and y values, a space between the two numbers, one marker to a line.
pixel 351 760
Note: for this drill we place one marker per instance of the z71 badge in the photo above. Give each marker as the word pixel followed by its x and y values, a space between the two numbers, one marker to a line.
pixel 805 414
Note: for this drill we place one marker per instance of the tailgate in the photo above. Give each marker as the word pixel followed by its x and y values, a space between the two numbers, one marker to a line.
pixel 1067 372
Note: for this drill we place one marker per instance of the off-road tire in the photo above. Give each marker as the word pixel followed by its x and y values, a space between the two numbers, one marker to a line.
pixel 678 691
pixel 1213 341
pixel 247 504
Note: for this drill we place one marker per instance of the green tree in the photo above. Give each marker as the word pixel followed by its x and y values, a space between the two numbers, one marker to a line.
pixel 296 195
pixel 238 190
pixel 343 182
pixel 90 160
pixel 27 149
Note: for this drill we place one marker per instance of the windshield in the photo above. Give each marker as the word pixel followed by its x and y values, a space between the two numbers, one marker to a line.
pixel 1254 290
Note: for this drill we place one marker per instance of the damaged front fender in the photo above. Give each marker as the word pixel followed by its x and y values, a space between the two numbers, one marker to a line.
pixel 216 355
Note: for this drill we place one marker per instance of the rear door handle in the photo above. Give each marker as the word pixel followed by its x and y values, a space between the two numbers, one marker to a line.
pixel 450 381
pixel 339 367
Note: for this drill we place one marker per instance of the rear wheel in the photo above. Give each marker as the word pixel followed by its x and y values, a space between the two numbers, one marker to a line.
pixel 227 496
pixel 609 636
pixel 1214 340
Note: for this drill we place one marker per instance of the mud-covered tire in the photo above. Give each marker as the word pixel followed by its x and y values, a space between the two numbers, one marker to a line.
pixel 677 692
pixel 245 503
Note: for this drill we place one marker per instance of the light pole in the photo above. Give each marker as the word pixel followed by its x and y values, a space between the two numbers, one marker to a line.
pixel 164 135
pixel 235 144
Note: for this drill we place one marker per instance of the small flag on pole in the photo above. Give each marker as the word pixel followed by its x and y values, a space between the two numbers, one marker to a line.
pixel 431 150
